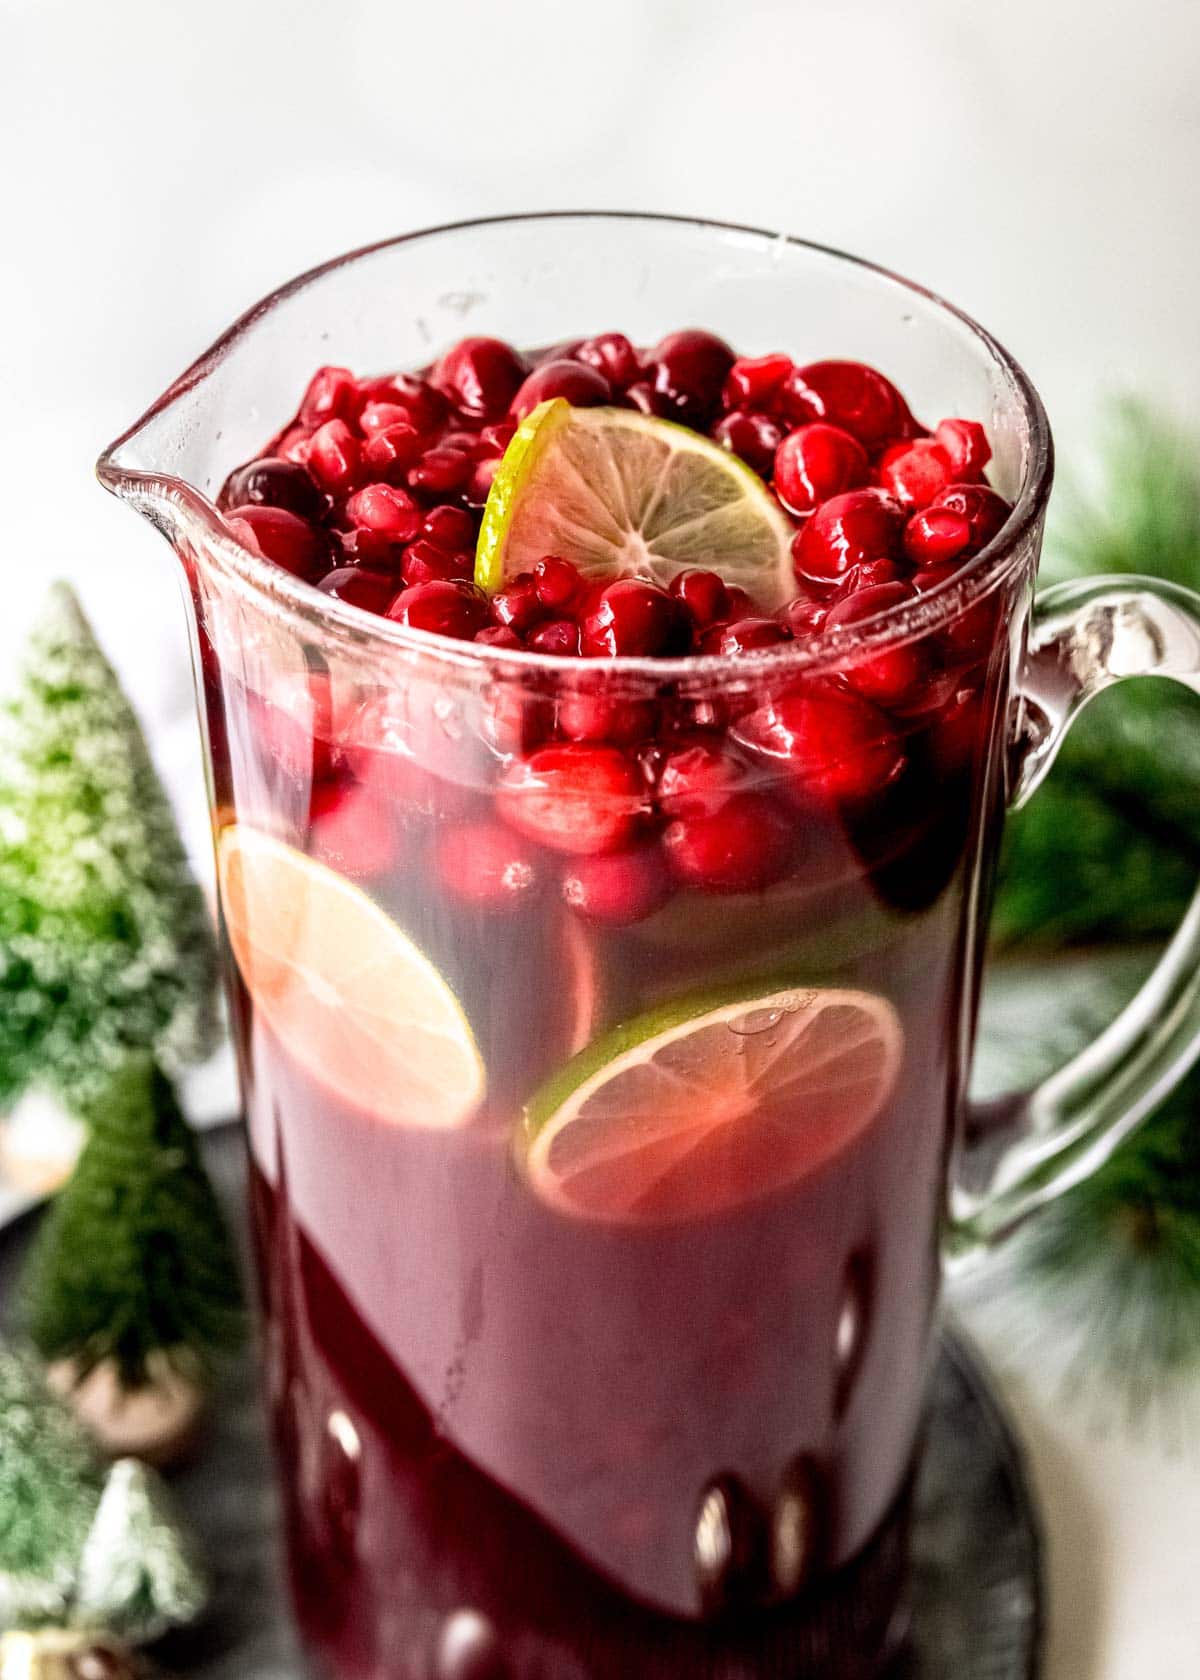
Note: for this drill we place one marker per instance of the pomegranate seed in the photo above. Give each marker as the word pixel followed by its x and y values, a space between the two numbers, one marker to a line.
pixel 424 408
pixel 518 604
pixel 388 453
pixel 290 446
pixel 850 395
pixel 481 376
pixel 746 635
pixel 379 416
pixel 805 618
pixel 740 604
pixel 633 617
pixel 756 381
pixel 937 537
pixel 424 562
pixel 689 369
pixel 619 887
pixel 642 396
pixel 835 746
pixel 587 716
pixel 479 485
pixel 560 637
pixel 441 470
pixel 498 635
pixel 389 512
pixel 281 537
pixel 270 482
pixel 486 865
pixel 972 630
pixel 332 394
pixel 891 675
pixel 755 437
pixel 573 798
pixel 744 846
pixel 612 355
pixel 703 594
pixel 696 778
pixel 494 440
pixel 449 528
pixel 845 531
pixel 580 385
pixel 447 609
pixel 816 462
pixel 333 456
pixel 915 472
pixel 557 582
pixel 985 511
pixel 966 446
pixel 361 586
pixel 868 575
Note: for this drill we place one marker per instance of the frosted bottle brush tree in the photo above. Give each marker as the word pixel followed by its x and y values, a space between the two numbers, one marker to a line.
pixel 105 944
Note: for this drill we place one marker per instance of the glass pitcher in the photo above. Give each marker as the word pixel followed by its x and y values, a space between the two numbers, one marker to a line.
pixel 600 1251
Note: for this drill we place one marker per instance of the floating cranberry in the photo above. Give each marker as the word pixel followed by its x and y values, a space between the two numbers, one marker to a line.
pixel 294 721
pixel 833 745
pixel 361 586
pixel 985 511
pixel 386 510
pixel 519 604
pixel 389 453
pixel 745 845
pixel 270 482
pixel 424 562
pixel 846 531
pixel 703 594
pixel 635 618
pixel 580 385
pixel 449 528
pixel 486 865
pixel 440 471
pixel 937 537
pixel 891 675
pixel 612 355
pixel 446 609
pixel 332 394
pixel 573 798
pixel 756 382
pixel 559 637
pixel 696 778
pixel 557 582
pixel 914 472
pixel 352 831
pixel 480 376
pixel 595 715
pixel 618 887
pixel 815 462
pixel 966 447
pixel 688 369
pixel 755 437
pixel 280 536
pixel 497 635
pixel 334 457
pixel 847 394
pixel 746 635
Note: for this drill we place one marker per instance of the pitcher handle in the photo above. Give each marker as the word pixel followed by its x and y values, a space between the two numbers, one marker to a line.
pixel 1023 1151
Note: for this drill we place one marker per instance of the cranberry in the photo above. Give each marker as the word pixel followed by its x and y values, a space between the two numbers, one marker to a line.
pixel 481 376
pixel 557 582
pixel 332 394
pixel 619 887
pixel 755 437
pixel 984 511
pixel 486 865
pixel 559 637
pixel 270 482
pixel 756 381
pixel 580 385
pixel 966 447
pixel 890 675
pixel 387 511
pixel 498 635
pixel 637 618
pixel 816 462
pixel 744 846
pixel 352 831
pixel 361 586
pixel 333 456
pixel 915 472
pixel 703 594
pixel 573 798
pixel 697 777
pixel 846 531
pixel 836 746
pixel 746 635
pixel 424 562
pixel 595 715
pixel 612 355
pixel 440 471
pixel 518 604
pixel 642 396
pixel 387 454
pixel 937 537
pixel 447 609
pixel 850 395
pixel 805 618
pixel 449 528
pixel 688 369
pixel 281 537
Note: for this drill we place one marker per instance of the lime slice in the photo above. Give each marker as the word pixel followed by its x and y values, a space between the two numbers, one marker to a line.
pixel 622 494
pixel 344 989
pixel 704 1105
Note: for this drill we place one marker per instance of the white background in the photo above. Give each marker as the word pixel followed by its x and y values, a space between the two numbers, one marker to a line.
pixel 163 164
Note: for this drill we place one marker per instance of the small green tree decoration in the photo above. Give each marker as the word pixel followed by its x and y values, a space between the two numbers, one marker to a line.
pixel 105 943
pixel 134 1262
